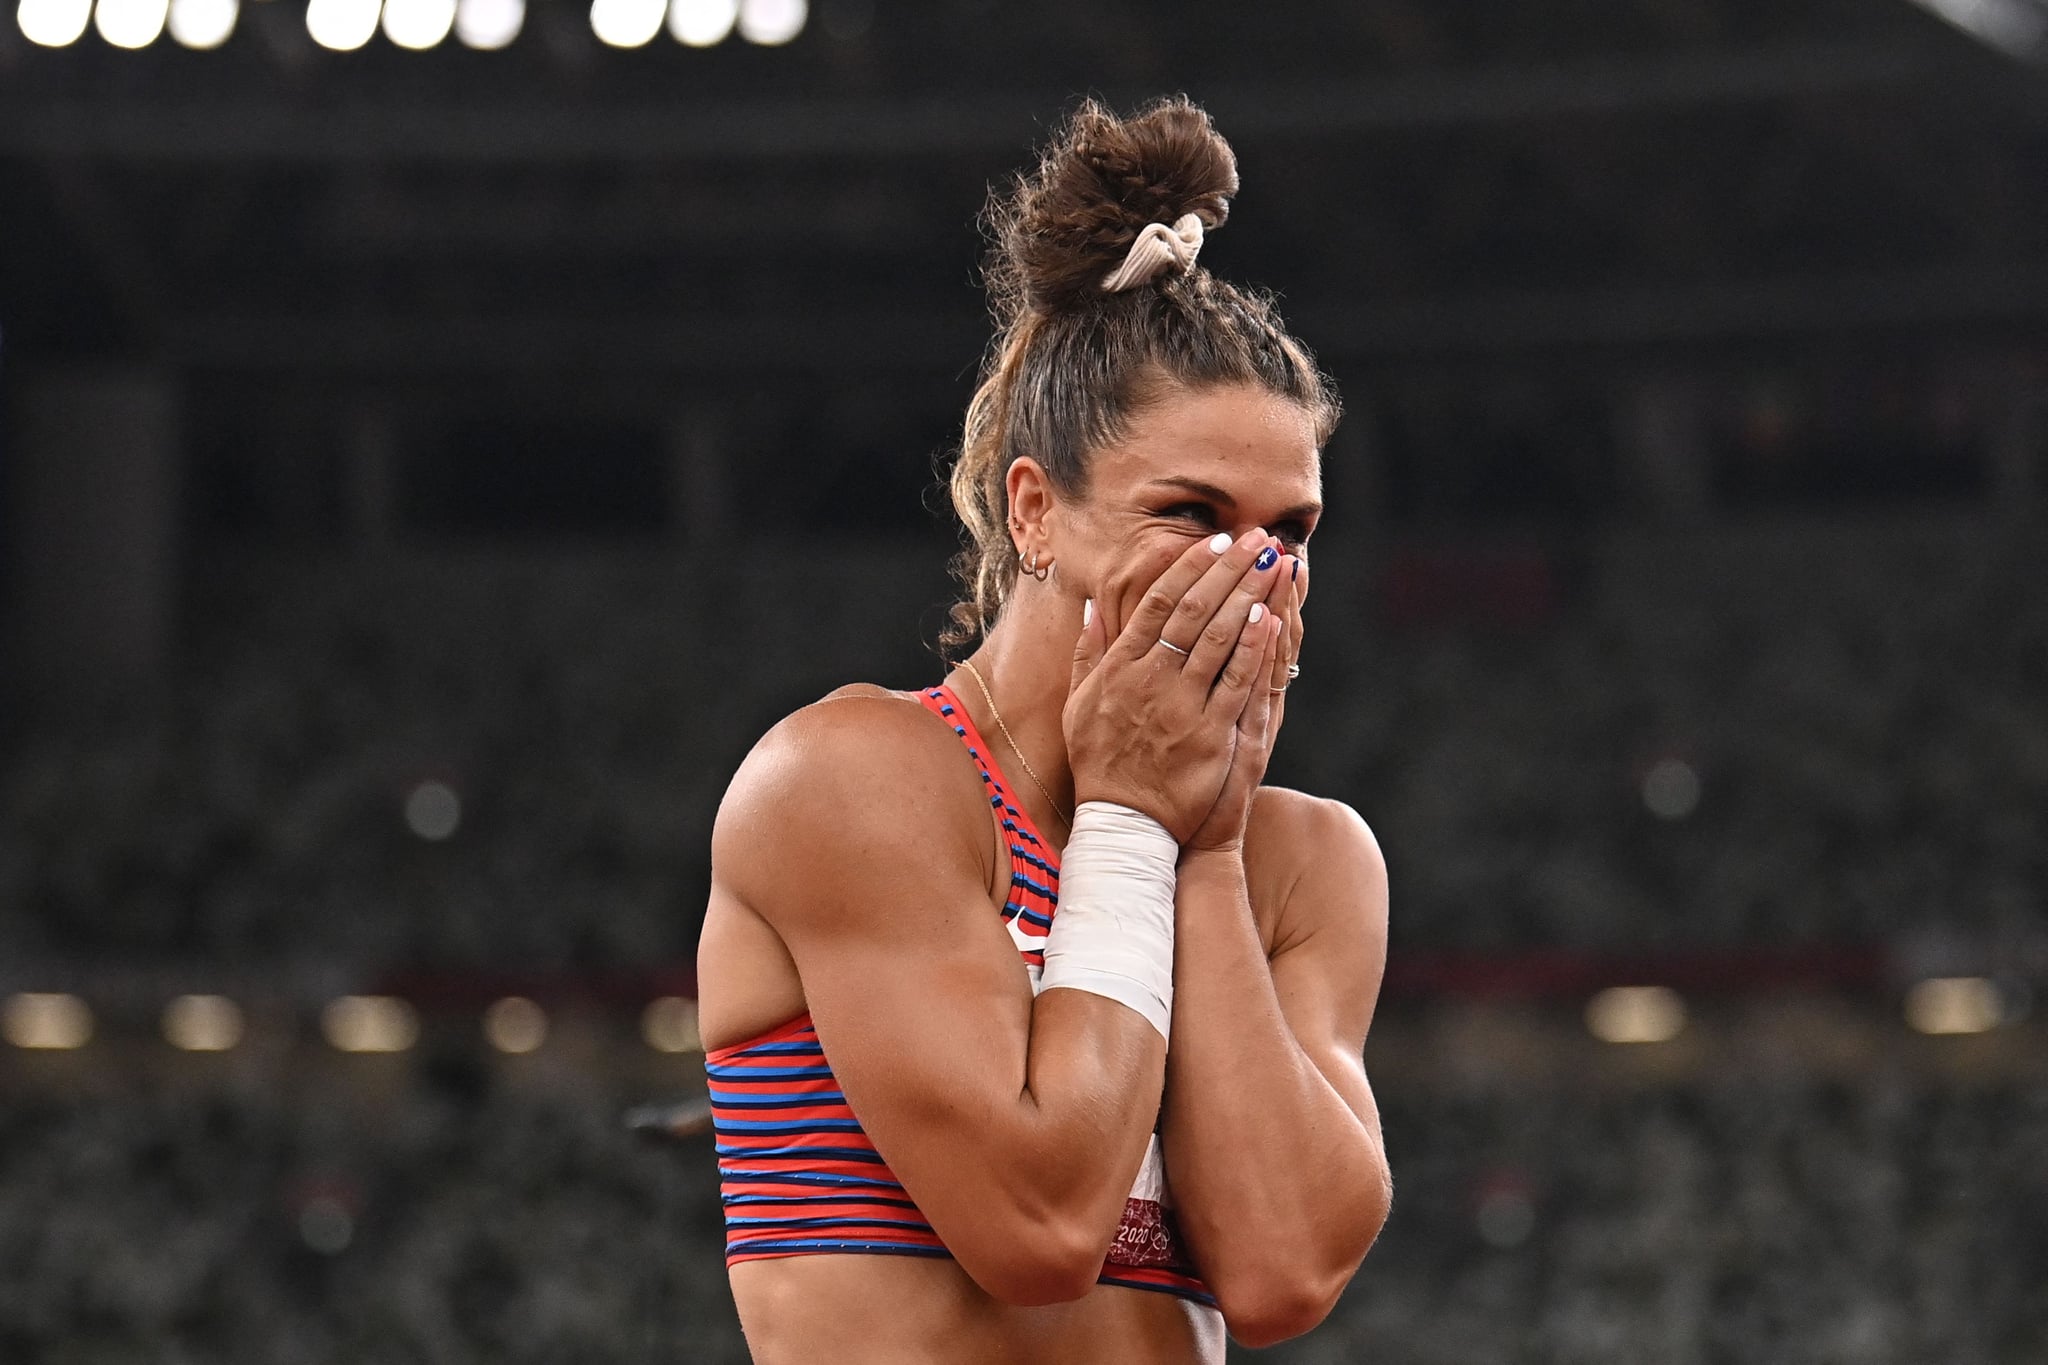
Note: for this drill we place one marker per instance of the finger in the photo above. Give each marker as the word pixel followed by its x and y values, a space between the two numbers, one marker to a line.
pixel 1115 596
pixel 1090 646
pixel 1279 598
pixel 1141 631
pixel 1299 590
pixel 1262 709
pixel 1297 630
pixel 1247 602
pixel 1288 607
pixel 1247 666
pixel 1232 584
pixel 1179 604
pixel 1280 591
pixel 1297 581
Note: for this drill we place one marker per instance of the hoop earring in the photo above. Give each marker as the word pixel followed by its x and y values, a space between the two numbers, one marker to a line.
pixel 1031 566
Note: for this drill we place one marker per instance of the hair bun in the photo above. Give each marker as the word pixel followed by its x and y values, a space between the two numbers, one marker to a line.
pixel 1103 179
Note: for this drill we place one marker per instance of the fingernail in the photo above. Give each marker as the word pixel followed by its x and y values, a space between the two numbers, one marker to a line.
pixel 1087 612
pixel 1266 558
pixel 1220 542
pixel 1258 612
pixel 1294 568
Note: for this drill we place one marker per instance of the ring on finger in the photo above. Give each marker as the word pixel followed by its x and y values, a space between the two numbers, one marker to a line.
pixel 1168 644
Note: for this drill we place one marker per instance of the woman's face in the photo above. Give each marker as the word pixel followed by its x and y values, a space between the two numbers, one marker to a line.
pixel 1235 458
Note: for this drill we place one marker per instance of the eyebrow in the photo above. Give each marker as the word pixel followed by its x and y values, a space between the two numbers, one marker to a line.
pixel 1300 511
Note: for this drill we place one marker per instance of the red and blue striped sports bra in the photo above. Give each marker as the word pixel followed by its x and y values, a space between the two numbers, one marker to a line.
pixel 799 1177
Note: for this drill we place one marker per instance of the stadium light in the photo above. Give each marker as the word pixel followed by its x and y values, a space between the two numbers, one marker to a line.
pixel 771 23
pixel 203 24
pixel 670 1025
pixel 370 1023
pixel 2015 27
pixel 515 1025
pixel 433 810
pixel 701 23
pixel 1636 1014
pixel 417 25
pixel 53 23
pixel 131 24
pixel 203 1023
pixel 488 25
pixel 341 25
pixel 626 23
pixel 46 1022
pixel 1954 1004
pixel 1671 789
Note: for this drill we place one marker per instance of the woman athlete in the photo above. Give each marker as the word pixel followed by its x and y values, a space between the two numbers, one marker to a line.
pixel 1066 1070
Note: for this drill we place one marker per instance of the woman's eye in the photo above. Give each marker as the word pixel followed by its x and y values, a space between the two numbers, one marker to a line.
pixel 1200 512
pixel 1292 534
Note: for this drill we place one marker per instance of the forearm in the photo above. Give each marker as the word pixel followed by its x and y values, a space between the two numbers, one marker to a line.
pixel 1097 1046
pixel 1276 1179
pixel 1092 1088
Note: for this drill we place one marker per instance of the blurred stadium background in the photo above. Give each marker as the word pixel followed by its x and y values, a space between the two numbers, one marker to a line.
pixel 436 440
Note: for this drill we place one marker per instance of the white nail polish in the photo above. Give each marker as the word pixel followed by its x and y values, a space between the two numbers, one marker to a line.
pixel 1258 612
pixel 1220 542
pixel 1087 612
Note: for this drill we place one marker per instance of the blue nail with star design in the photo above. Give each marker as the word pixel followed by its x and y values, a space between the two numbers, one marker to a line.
pixel 1268 557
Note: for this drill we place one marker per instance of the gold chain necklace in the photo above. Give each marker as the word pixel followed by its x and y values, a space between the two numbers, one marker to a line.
pixel 979 682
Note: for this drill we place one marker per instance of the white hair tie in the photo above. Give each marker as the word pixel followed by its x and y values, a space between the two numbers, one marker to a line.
pixel 1157 247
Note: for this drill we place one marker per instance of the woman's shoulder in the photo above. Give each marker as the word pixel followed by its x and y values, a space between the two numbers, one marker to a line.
pixel 862 721
pixel 1294 839
pixel 860 753
pixel 846 818
pixel 1298 823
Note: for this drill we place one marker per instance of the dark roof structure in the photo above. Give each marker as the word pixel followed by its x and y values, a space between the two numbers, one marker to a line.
pixel 1422 181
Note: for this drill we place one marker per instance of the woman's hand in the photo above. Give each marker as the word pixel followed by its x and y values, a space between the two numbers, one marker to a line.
pixel 1156 728
pixel 1259 727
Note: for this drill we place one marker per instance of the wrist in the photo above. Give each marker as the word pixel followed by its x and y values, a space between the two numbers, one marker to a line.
pixel 1113 935
pixel 1137 801
pixel 1223 863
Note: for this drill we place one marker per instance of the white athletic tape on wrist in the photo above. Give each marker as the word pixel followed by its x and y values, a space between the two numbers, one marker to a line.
pixel 1113 932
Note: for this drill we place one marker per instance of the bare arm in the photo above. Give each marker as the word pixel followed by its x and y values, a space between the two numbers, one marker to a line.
pixel 1272 1137
pixel 857 830
pixel 857 833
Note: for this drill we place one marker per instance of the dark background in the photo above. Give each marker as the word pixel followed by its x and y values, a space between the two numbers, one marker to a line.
pixel 424 474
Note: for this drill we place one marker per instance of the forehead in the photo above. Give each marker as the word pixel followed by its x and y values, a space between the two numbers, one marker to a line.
pixel 1255 444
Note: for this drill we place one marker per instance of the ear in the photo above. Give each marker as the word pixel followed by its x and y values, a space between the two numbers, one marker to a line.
pixel 1032 506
